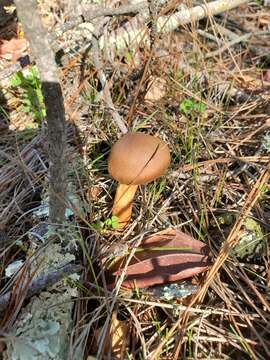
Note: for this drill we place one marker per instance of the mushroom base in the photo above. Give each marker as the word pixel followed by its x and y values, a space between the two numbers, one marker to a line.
pixel 122 206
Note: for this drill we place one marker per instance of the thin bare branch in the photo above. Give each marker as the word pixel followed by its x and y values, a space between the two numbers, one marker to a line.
pixel 53 99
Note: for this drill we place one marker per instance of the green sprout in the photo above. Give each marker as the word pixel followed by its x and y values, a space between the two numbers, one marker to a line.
pixel 189 107
pixel 110 223
pixel 32 98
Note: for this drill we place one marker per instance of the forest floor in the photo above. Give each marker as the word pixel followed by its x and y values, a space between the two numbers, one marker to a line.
pixel 205 90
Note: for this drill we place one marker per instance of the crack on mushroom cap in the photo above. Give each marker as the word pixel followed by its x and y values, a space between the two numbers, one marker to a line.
pixel 138 158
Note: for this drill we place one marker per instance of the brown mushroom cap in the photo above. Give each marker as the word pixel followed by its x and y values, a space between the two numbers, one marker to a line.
pixel 138 158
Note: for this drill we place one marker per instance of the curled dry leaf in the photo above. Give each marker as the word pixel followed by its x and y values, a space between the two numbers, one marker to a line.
pixel 93 193
pixel 164 257
pixel 119 335
pixel 157 90
pixel 13 49
pixel 117 338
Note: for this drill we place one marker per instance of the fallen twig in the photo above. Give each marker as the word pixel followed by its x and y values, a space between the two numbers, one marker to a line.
pixel 236 40
pixel 134 31
pixel 42 282
pixel 94 13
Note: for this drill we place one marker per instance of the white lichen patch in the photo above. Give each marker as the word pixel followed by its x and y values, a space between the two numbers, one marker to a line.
pixel 13 267
pixel 51 258
pixel 42 211
pixel 252 241
pixel 43 326
pixel 173 291
pixel 266 142
pixel 42 330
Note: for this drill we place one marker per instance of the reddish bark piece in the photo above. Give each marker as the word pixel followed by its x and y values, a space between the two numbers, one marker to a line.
pixel 173 239
pixel 167 256
pixel 164 269
pixel 13 49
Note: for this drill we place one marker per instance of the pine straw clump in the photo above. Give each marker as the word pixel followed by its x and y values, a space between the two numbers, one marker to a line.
pixel 214 115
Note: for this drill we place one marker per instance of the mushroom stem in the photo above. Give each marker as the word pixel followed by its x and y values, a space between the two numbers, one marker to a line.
pixel 122 206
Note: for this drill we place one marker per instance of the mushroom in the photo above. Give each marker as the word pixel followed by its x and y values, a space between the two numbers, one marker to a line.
pixel 135 159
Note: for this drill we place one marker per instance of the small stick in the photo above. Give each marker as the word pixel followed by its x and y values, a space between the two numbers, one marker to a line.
pixel 42 282
pixel 94 13
pixel 228 45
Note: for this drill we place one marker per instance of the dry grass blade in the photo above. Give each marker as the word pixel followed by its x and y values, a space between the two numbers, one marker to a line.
pixel 233 237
